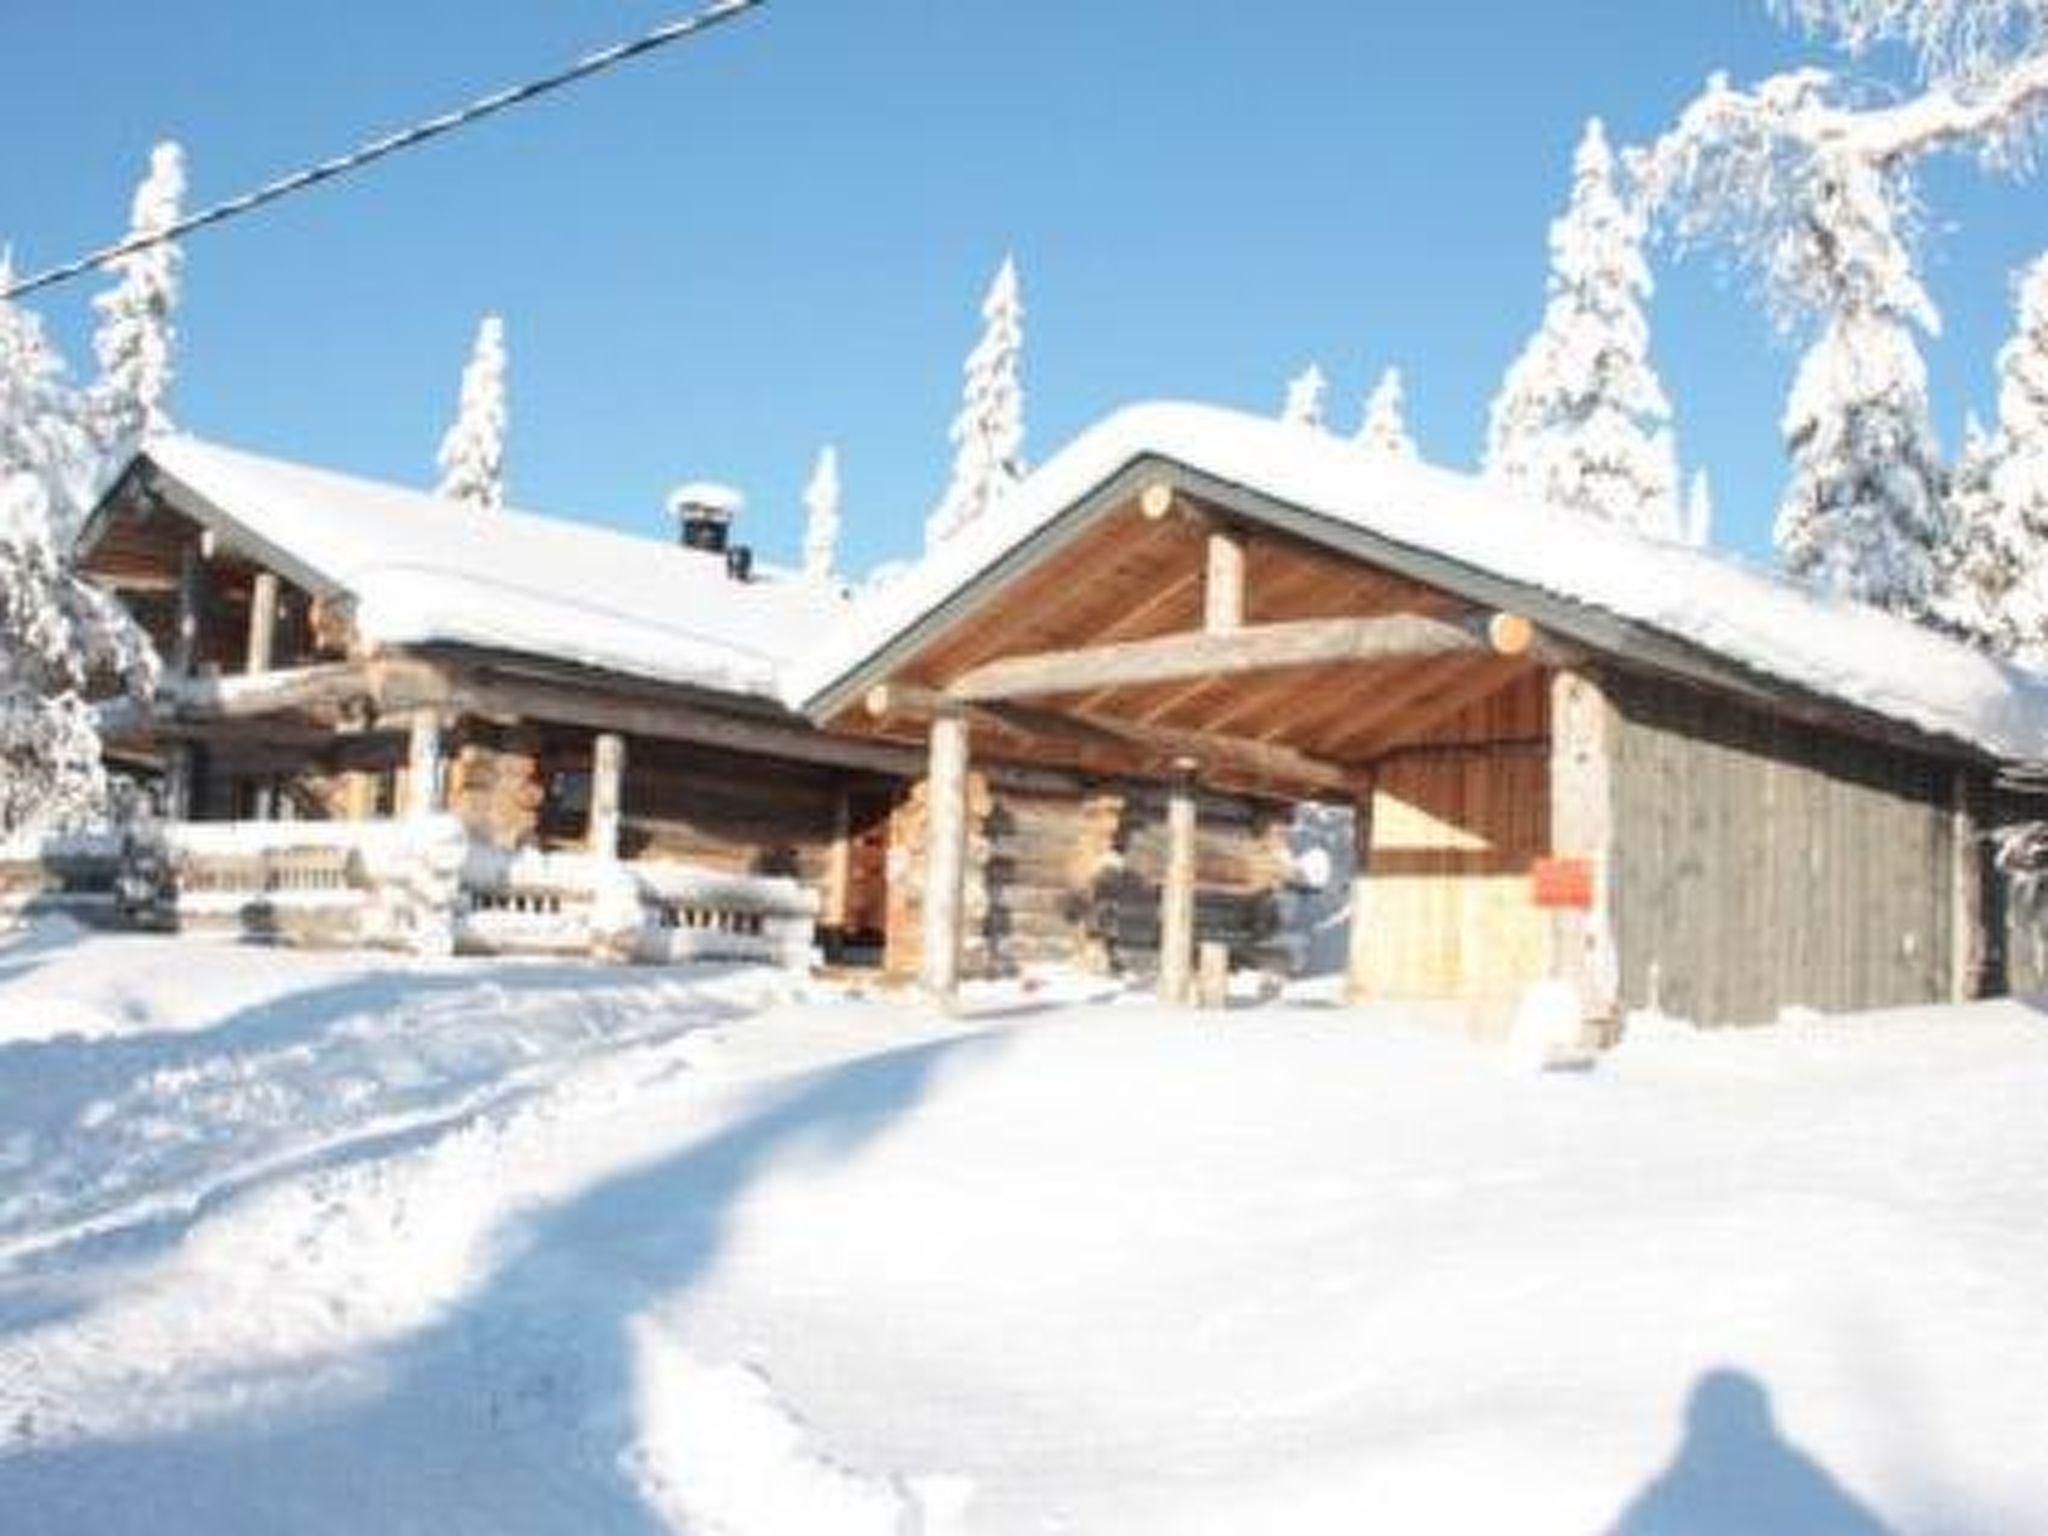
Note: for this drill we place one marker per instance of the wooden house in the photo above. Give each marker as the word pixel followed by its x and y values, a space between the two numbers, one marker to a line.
pixel 1076 733
pixel 585 730
pixel 1576 754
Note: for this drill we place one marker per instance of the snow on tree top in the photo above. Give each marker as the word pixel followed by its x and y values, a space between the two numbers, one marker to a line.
pixel 1830 648
pixel 423 570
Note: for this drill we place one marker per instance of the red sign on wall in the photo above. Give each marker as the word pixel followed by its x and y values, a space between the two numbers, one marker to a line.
pixel 1565 883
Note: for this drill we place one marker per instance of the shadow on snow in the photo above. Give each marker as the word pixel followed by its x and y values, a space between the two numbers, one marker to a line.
pixel 509 1414
pixel 1734 1474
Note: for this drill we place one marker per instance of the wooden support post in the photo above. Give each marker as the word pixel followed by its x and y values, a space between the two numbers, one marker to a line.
pixel 191 599
pixel 262 622
pixel 1212 975
pixel 837 897
pixel 1966 921
pixel 1358 947
pixel 1177 893
pixel 359 795
pixel 607 786
pixel 1583 951
pixel 1223 585
pixel 423 764
pixel 177 799
pixel 945 883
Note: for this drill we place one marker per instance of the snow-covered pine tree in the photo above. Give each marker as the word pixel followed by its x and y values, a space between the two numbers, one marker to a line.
pixel 136 338
pixel 1995 574
pixel 988 434
pixel 472 456
pixel 1985 553
pixel 1306 393
pixel 1862 513
pixel 1384 432
pixel 821 518
pixel 58 636
pixel 1581 419
pixel 1699 511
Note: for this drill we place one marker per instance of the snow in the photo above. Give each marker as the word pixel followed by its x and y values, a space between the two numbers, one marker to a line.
pixel 331 1243
pixel 1307 393
pixel 1832 647
pixel 988 433
pixel 821 518
pixel 136 339
pixel 472 456
pixel 1385 427
pixel 1582 419
pixel 424 570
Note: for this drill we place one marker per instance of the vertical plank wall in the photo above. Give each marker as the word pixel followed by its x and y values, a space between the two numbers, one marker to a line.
pixel 1762 863
pixel 1456 826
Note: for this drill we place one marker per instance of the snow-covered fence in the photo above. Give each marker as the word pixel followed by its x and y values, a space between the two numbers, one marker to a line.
pixel 647 910
pixel 419 885
pixel 388 884
pixel 77 874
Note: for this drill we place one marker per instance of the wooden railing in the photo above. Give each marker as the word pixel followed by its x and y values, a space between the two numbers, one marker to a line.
pixel 418 885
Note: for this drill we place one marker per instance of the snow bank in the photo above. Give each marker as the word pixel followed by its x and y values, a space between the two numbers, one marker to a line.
pixel 1830 647
pixel 468 1247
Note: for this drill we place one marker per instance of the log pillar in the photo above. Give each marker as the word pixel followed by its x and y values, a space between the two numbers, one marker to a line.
pixel 1358 948
pixel 1583 951
pixel 607 785
pixel 945 884
pixel 836 900
pixel 1966 911
pixel 1223 584
pixel 1177 893
pixel 177 796
pixel 191 600
pixel 423 764
pixel 359 795
pixel 262 622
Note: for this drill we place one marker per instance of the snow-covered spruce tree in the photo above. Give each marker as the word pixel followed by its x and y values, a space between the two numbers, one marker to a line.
pixel 1995 585
pixel 472 456
pixel 136 338
pixel 1581 419
pixel 1862 513
pixel 58 636
pixel 1699 511
pixel 988 434
pixel 1307 393
pixel 821 518
pixel 1810 181
pixel 1985 554
pixel 1384 432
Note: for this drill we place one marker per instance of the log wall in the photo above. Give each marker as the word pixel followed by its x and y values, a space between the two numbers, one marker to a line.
pixel 1071 877
pixel 1762 863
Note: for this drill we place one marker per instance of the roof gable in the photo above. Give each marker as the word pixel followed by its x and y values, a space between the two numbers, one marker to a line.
pixel 424 570
pixel 1647 601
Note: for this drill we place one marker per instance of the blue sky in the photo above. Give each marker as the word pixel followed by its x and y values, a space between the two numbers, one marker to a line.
pixel 715 260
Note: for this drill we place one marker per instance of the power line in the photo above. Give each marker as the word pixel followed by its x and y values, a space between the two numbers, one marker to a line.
pixel 392 143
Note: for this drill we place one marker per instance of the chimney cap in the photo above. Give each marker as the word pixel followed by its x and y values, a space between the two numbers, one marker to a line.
pixel 706 499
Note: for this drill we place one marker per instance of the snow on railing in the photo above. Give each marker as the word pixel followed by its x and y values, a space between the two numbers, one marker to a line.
pixel 417 885
pixel 648 910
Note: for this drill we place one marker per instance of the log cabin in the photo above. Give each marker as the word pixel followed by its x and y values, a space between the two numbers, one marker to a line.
pixel 1075 735
pixel 1577 755
pixel 572 739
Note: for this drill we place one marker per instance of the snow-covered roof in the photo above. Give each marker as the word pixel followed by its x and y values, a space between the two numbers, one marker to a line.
pixel 424 570
pixel 1707 602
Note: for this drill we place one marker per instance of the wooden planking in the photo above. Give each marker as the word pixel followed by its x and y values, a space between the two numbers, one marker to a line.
pixel 1453 836
pixel 1762 863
